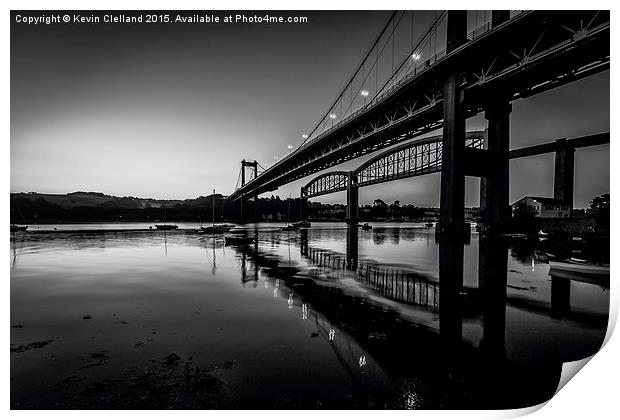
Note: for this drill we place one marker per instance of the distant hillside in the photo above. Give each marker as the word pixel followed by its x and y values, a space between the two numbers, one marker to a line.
pixel 94 206
pixel 94 199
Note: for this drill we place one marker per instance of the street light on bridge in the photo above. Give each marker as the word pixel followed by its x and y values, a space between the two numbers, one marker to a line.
pixel 290 148
pixel 364 93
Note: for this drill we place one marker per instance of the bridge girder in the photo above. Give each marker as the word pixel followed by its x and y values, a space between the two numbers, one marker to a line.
pixel 553 48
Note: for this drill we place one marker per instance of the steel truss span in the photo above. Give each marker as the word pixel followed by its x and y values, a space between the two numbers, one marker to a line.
pixel 327 183
pixel 415 158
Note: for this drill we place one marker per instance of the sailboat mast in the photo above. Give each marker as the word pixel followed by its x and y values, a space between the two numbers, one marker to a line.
pixel 213 207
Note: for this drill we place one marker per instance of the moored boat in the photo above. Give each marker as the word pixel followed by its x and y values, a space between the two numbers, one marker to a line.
pixel 216 228
pixel 238 240
pixel 366 226
pixel 302 223
pixel 166 227
pixel 18 228
pixel 575 265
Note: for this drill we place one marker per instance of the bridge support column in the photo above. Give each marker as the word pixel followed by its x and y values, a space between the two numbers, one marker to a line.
pixel 563 182
pixel 352 199
pixel 494 189
pixel 241 215
pixel 452 205
pixel 303 204
pixel 256 209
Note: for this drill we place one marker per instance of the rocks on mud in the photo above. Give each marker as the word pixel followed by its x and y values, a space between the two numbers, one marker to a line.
pixel 33 345
pixel 172 359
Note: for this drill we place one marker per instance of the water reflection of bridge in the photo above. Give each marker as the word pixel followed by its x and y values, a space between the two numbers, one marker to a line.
pixel 393 341
pixel 404 284
pixel 400 284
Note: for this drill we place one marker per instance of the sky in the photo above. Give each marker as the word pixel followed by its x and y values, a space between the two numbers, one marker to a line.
pixel 169 111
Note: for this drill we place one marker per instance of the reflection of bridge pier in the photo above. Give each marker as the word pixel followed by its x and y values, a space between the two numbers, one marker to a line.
pixel 303 242
pixel 352 248
pixel 560 297
pixel 492 280
pixel 450 287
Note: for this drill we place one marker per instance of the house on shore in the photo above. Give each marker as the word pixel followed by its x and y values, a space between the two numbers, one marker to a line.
pixel 546 207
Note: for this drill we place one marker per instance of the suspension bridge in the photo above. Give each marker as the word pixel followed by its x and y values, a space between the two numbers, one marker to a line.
pixel 432 70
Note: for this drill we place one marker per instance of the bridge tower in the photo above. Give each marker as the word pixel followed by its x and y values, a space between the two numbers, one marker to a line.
pixel 253 166
pixel 352 199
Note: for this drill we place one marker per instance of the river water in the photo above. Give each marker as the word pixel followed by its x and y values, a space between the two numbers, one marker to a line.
pixel 327 317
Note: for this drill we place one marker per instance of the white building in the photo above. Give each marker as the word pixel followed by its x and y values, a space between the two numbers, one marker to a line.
pixel 546 206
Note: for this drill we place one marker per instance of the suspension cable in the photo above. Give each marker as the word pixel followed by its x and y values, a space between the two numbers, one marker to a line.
pixel 350 79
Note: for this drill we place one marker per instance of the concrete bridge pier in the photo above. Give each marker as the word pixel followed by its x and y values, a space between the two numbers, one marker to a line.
pixel 256 209
pixel 564 177
pixel 495 186
pixel 303 204
pixel 452 202
pixel 352 200
pixel 241 205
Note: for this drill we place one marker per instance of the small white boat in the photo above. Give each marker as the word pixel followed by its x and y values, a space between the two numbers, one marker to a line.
pixel 302 224
pixel 575 265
